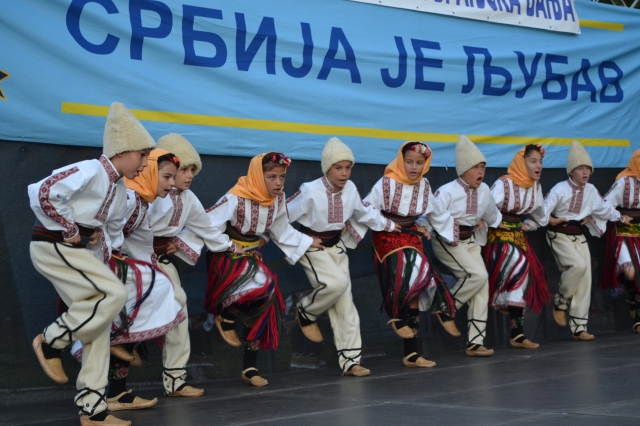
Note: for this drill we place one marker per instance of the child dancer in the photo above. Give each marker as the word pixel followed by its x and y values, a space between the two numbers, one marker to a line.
pixel 323 208
pixel 516 276
pixel 239 281
pixel 470 203
pixel 407 280
pixel 151 309
pixel 70 246
pixel 168 217
pixel 572 204
pixel 622 257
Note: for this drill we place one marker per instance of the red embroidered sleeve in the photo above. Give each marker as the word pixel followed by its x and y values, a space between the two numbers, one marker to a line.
pixel 71 229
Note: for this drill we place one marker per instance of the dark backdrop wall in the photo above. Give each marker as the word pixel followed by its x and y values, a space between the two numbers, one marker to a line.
pixel 28 301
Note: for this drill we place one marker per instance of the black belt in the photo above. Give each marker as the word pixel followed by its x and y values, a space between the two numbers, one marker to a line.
pixel 40 233
pixel 329 238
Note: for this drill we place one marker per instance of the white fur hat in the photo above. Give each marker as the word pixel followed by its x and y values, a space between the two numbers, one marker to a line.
pixel 123 132
pixel 334 152
pixel 467 155
pixel 578 156
pixel 179 145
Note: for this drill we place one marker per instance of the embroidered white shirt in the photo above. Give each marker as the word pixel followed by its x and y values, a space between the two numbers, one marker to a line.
pixel 468 205
pixel 567 200
pixel 138 236
pixel 250 218
pixel 511 198
pixel 317 207
pixel 87 193
pixel 170 215
pixel 412 200
pixel 625 193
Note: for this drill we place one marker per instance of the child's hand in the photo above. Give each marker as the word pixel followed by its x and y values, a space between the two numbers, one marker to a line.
pixel 424 232
pixel 171 248
pixel 396 227
pixel 94 239
pixel 75 240
pixel 262 242
pixel 554 221
pixel 237 248
pixel 317 243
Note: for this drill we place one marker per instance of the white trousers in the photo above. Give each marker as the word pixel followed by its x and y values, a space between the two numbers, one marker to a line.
pixel 328 273
pixel 574 261
pixel 177 346
pixel 94 296
pixel 472 287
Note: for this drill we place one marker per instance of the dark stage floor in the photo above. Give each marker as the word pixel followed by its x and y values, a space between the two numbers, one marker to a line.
pixel 562 383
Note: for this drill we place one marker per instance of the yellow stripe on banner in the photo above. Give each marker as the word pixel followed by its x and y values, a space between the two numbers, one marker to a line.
pixel 323 129
pixel 611 26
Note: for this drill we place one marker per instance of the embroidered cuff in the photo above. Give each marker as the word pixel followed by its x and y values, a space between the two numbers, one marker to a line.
pixel 71 232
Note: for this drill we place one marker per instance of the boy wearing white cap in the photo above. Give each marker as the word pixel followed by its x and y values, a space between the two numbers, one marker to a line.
pixel 71 244
pixel 473 208
pixel 323 208
pixel 168 218
pixel 573 204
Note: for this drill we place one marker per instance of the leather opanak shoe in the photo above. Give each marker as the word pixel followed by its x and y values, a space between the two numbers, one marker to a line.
pixel 583 336
pixel 525 344
pixel 449 326
pixel 560 316
pixel 109 421
pixel 311 331
pixel 187 391
pixel 229 336
pixel 52 367
pixel 479 351
pixel 137 403
pixel 418 363
pixel 357 371
pixel 121 353
pixel 256 381
pixel 404 332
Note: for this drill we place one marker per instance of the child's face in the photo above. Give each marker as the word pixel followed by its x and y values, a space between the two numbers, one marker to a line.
pixel 184 178
pixel 274 180
pixel 533 161
pixel 339 174
pixel 473 177
pixel 413 164
pixel 130 164
pixel 166 179
pixel 580 175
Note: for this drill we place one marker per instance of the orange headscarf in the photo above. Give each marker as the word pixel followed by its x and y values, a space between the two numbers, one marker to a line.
pixel 146 183
pixel 396 171
pixel 252 186
pixel 633 168
pixel 517 170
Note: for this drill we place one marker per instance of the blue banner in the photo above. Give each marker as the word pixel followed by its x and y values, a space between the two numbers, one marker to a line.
pixel 243 77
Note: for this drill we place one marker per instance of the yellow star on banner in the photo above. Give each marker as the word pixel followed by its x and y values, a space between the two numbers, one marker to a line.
pixel 3 75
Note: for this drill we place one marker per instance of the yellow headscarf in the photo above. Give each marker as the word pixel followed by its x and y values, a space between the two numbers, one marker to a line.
pixel 146 183
pixel 396 171
pixel 252 186
pixel 633 168
pixel 517 170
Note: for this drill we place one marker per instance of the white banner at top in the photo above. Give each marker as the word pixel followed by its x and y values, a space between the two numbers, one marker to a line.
pixel 551 15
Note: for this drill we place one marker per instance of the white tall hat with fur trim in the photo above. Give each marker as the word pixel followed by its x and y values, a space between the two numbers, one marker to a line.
pixel 334 152
pixel 467 155
pixel 123 132
pixel 179 145
pixel 578 156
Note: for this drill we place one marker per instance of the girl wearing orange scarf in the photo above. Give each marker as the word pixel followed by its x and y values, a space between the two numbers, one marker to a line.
pixel 516 276
pixel 239 281
pixel 622 256
pixel 407 279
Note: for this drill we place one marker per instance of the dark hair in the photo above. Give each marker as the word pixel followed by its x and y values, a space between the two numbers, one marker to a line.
pixel 530 148
pixel 408 146
pixel 168 158
pixel 268 162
